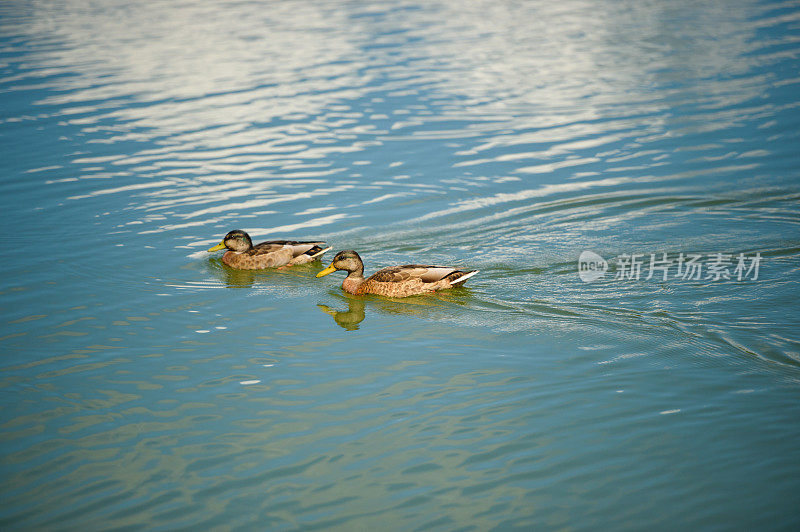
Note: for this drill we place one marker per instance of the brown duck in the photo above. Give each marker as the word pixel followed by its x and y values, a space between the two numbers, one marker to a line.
pixel 394 281
pixel 243 255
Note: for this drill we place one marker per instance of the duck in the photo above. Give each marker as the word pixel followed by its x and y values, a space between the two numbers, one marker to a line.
pixel 394 281
pixel 243 255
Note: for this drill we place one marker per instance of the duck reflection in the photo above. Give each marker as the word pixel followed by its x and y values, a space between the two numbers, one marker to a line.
pixel 232 277
pixel 427 306
pixel 350 318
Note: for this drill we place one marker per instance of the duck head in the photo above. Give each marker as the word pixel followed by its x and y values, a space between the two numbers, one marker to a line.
pixel 236 240
pixel 348 261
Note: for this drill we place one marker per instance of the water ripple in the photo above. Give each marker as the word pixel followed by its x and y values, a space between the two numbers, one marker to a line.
pixel 147 385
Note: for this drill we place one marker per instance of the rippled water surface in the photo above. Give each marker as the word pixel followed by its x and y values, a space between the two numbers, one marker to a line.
pixel 145 385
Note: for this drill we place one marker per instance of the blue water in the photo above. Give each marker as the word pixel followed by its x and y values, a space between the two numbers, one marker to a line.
pixel 146 386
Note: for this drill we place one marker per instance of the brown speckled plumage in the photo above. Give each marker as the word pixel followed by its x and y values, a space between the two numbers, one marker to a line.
pixel 394 281
pixel 243 255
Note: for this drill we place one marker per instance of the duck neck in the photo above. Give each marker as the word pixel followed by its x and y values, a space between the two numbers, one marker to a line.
pixel 353 281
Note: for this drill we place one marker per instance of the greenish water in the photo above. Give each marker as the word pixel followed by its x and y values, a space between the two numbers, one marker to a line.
pixel 144 385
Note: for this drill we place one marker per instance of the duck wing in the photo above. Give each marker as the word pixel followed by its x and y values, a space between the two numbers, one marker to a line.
pixel 410 272
pixel 297 248
pixel 267 247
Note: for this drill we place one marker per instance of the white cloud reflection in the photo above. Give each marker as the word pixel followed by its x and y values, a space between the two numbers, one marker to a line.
pixel 221 109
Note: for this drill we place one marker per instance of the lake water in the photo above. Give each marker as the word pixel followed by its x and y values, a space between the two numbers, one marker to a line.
pixel 145 386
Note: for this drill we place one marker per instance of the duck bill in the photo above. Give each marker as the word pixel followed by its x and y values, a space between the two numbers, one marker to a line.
pixel 218 247
pixel 326 271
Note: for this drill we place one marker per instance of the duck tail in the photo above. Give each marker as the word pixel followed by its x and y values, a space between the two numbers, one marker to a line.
pixel 320 252
pixel 463 277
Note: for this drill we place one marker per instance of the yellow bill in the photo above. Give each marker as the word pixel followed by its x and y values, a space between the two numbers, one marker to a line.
pixel 326 271
pixel 218 247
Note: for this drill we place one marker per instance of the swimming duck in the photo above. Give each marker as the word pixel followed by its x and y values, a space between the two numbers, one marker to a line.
pixel 394 281
pixel 242 254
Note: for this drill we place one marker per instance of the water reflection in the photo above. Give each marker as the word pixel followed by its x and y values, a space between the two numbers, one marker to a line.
pixel 347 319
pixel 275 122
pixel 290 280
pixel 446 306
